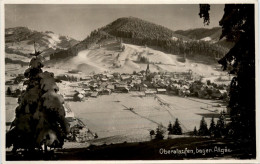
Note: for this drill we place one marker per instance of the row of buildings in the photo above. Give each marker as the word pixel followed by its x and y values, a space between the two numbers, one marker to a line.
pixel 150 83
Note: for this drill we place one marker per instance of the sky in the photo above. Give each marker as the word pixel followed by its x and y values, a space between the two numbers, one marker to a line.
pixel 77 21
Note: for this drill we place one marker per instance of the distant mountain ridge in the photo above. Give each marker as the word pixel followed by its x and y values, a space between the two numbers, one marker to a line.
pixel 143 33
pixel 129 30
pixel 200 33
pixel 204 34
pixel 20 40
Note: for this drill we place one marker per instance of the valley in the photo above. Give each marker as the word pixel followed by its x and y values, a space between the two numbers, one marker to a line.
pixel 107 115
pixel 91 71
pixel 129 82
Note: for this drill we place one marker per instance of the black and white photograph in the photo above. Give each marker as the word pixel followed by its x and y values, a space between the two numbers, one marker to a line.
pixel 129 82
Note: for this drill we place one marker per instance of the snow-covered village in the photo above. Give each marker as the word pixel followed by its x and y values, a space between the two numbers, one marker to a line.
pixel 134 85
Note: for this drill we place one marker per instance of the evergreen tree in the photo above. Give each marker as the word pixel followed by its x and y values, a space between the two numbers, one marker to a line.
pixel 170 128
pixel 159 134
pixel 203 130
pixel 220 127
pixel 212 127
pixel 242 88
pixel 204 13
pixel 238 26
pixel 195 132
pixel 40 115
pixel 176 129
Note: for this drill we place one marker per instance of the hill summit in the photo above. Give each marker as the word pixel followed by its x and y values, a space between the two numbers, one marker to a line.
pixel 139 32
pixel 132 27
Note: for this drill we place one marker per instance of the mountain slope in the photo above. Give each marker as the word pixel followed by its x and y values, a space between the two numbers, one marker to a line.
pixel 135 31
pixel 137 28
pixel 200 33
pixel 20 40
pixel 110 58
pixel 211 35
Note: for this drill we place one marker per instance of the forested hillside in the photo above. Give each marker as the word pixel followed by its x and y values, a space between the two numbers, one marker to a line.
pixel 200 33
pixel 139 32
pixel 131 27
pixel 211 35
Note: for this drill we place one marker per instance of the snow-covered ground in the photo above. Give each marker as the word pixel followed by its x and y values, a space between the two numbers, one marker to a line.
pixel 110 118
pixel 206 39
pixel 111 59
pixel 53 39
pixel 174 38
pixel 108 115
pixel 17 57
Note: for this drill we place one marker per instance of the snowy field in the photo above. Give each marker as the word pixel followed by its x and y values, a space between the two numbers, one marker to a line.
pixel 110 117
pixel 103 59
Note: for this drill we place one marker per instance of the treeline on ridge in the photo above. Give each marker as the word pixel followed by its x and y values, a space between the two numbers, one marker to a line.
pixel 139 32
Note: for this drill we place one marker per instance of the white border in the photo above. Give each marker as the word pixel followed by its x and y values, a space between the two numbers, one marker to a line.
pixel 2 70
pixel 125 1
pixel 2 83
